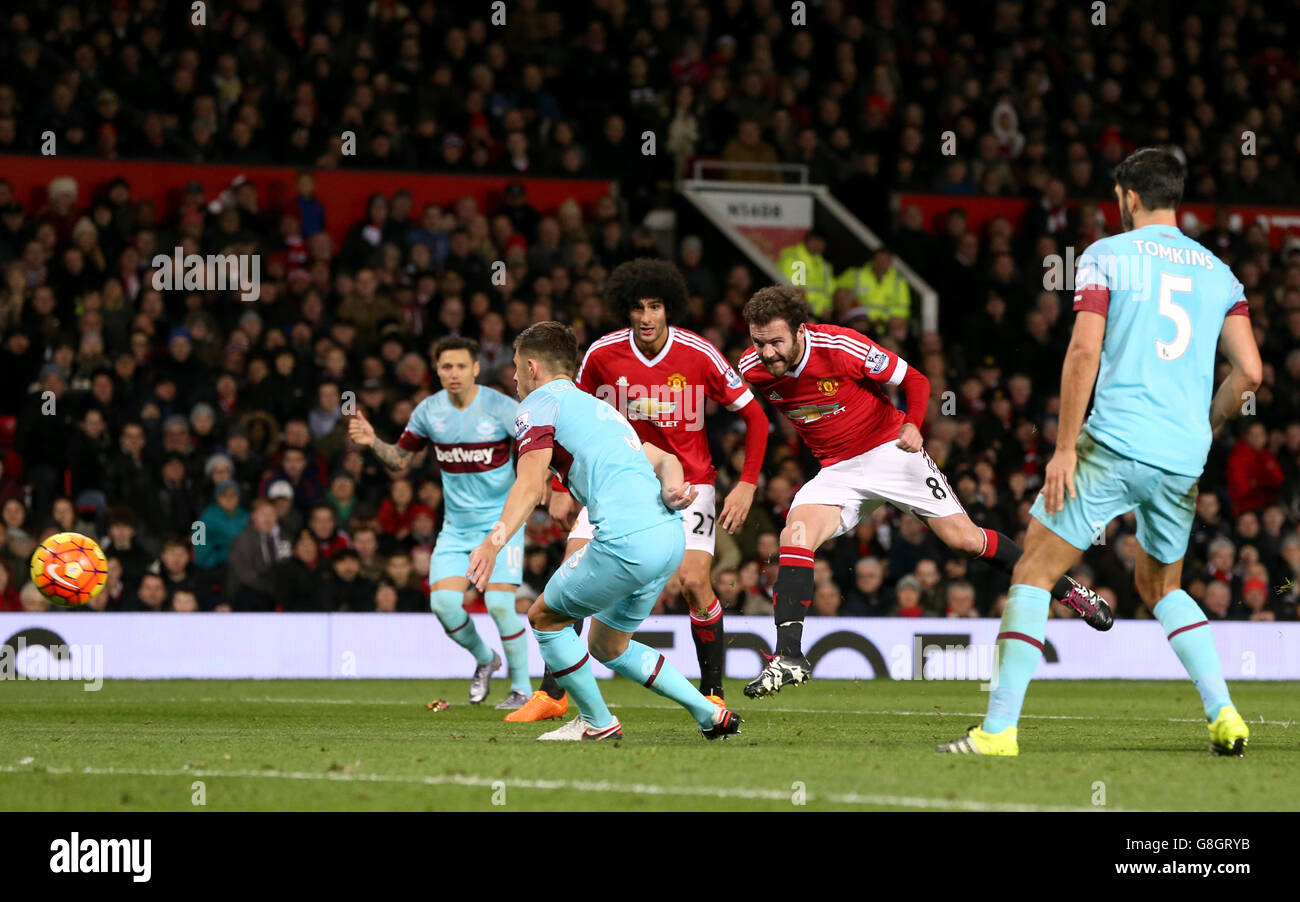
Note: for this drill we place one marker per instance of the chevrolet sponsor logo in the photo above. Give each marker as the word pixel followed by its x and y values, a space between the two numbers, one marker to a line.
pixel 649 408
pixel 810 413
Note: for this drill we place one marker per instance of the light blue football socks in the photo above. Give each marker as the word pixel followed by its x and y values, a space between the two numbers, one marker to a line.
pixel 566 655
pixel 648 667
pixel 514 637
pixel 1020 647
pixel 1189 633
pixel 448 604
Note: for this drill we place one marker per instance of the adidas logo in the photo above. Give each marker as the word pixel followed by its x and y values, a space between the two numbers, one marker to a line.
pixel 774 396
pixel 621 381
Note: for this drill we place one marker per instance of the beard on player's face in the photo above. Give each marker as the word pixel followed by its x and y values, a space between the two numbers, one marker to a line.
pixel 1125 214
pixel 779 362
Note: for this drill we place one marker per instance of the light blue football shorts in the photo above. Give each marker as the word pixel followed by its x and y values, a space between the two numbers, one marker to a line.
pixel 1108 485
pixel 451 555
pixel 618 581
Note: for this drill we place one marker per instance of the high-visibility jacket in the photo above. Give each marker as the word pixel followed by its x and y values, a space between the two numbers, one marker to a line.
pixel 885 298
pixel 816 279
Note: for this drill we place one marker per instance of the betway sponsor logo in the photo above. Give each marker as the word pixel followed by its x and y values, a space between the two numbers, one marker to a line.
pixel 457 455
pixel 472 457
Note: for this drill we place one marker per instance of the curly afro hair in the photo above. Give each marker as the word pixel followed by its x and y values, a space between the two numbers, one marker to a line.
pixel 646 278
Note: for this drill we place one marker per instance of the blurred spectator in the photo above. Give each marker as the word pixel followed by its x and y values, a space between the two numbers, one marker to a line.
pixel 804 265
pixel 121 544
pixel 868 597
pixel 753 159
pixel 254 552
pixel 348 590
pixel 299 580
pixel 222 520
pixel 961 599
pixel 879 289
pixel 1254 474
pixel 908 591
pixel 826 600
pixel 150 595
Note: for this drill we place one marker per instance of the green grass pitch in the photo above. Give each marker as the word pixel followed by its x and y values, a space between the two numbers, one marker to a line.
pixel 830 745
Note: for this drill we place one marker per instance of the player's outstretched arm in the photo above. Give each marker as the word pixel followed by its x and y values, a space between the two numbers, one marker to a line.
pixel 677 492
pixel 531 474
pixel 1237 342
pixel 1078 376
pixel 362 433
pixel 735 509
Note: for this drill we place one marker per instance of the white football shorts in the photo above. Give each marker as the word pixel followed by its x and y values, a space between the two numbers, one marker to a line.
pixel 699 521
pixel 886 474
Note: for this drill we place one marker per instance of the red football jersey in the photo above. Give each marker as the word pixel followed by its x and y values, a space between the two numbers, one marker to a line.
pixel 833 395
pixel 664 398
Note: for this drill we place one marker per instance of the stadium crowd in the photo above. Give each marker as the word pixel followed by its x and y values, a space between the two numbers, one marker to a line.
pixel 176 408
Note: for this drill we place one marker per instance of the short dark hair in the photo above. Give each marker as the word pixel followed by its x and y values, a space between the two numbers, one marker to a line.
pixel 777 302
pixel 551 342
pixel 1155 174
pixel 646 277
pixel 455 343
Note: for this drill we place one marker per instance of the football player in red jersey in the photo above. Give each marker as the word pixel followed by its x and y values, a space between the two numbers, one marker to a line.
pixel 659 376
pixel 828 380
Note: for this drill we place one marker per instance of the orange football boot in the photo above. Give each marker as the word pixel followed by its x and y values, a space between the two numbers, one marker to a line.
pixel 717 700
pixel 540 707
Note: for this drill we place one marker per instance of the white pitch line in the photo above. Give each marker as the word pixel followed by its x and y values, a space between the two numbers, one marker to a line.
pixel 586 786
pixel 759 706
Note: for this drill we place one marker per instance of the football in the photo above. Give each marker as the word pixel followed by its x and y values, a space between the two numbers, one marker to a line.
pixel 69 569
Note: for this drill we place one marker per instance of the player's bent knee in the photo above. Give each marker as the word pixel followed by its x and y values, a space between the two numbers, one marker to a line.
pixel 499 602
pixel 697 589
pixel 606 646
pixel 539 615
pixel 445 602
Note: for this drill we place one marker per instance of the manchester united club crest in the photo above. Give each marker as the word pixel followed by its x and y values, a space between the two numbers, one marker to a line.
pixel 677 382
pixel 828 386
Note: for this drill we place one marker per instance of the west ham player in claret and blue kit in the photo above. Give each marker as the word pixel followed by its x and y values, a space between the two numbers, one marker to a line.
pixel 471 430
pixel 660 376
pixel 828 380
pixel 633 494
pixel 1153 305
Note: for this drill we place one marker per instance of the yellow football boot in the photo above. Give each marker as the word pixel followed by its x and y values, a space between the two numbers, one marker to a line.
pixel 977 742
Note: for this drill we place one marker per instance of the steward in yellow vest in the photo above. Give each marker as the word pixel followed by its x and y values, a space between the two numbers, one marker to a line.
pixel 806 268
pixel 879 288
